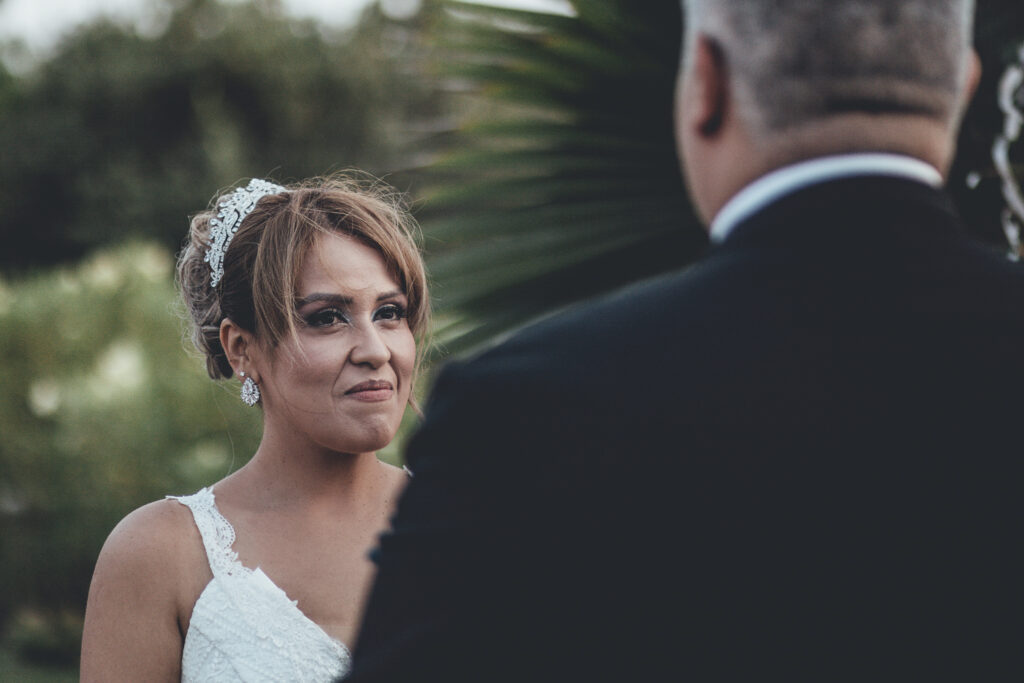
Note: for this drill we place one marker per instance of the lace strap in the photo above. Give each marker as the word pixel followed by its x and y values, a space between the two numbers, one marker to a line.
pixel 217 533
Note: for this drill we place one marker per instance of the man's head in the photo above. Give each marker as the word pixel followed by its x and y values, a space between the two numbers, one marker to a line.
pixel 769 82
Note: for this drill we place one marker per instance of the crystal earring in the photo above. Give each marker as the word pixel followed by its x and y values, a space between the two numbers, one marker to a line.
pixel 250 392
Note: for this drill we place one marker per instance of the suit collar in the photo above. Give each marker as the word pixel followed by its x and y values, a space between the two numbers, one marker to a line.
pixel 870 211
pixel 781 182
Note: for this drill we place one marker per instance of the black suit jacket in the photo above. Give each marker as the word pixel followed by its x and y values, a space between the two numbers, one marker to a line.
pixel 797 459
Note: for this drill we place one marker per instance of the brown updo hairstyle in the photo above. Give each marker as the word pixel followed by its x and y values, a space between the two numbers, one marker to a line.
pixel 262 262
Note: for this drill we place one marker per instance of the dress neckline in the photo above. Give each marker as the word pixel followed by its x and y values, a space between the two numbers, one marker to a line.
pixel 230 565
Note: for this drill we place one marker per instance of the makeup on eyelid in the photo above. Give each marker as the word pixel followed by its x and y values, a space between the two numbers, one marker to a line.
pixel 317 317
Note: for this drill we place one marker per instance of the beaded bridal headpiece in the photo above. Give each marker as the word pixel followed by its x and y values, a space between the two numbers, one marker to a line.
pixel 232 210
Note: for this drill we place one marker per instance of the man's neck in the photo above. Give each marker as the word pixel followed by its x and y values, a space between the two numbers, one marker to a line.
pixel 917 137
pixel 781 182
pixel 745 156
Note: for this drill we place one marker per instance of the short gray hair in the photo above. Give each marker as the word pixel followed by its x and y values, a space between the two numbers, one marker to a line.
pixel 797 61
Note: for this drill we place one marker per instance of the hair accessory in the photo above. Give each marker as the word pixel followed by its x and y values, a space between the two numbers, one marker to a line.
pixel 232 211
pixel 250 391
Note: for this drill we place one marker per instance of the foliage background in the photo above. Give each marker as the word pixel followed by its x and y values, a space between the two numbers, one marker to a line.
pixel 537 150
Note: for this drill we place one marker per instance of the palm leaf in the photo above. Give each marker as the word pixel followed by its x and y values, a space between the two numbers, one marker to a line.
pixel 565 185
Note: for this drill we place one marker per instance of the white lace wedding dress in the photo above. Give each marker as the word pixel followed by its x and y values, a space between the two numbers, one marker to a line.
pixel 245 628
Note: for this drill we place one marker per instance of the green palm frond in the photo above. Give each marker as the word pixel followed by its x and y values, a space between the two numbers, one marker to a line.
pixel 564 183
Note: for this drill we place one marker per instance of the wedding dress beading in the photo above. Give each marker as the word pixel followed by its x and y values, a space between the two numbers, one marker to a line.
pixel 245 628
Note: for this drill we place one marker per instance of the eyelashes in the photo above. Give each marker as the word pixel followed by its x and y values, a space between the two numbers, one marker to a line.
pixel 328 317
pixel 391 312
pixel 325 317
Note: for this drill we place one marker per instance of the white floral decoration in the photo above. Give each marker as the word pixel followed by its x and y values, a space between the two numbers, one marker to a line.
pixel 1010 87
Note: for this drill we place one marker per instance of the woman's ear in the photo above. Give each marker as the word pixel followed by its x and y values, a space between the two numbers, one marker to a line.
pixel 240 348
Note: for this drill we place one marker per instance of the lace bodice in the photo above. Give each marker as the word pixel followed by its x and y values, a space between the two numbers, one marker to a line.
pixel 245 628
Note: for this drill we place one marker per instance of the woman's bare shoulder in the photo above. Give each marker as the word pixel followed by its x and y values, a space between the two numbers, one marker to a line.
pixel 142 590
pixel 153 545
pixel 157 531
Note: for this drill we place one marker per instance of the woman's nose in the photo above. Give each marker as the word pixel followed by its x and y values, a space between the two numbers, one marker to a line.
pixel 370 348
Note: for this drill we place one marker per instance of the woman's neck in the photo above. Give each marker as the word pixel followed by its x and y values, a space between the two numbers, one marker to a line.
pixel 288 473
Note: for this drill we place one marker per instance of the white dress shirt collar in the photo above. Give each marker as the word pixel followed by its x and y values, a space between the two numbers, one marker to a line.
pixel 787 179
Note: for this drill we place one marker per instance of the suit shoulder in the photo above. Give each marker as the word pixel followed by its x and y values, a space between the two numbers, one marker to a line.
pixel 607 321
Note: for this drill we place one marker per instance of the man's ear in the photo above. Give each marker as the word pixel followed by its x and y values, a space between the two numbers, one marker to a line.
pixel 973 77
pixel 710 88
pixel 240 347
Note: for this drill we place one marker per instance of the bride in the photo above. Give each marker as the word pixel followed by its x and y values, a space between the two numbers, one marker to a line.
pixel 314 295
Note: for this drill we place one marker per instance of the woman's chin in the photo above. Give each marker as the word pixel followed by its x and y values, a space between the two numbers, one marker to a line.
pixel 369 433
pixel 369 442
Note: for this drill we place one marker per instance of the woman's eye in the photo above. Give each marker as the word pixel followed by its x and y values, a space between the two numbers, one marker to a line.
pixel 390 312
pixel 326 317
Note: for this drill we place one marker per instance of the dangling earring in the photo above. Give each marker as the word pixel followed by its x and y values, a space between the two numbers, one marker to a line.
pixel 250 392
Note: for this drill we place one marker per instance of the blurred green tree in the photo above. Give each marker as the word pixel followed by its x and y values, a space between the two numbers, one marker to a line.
pixel 101 412
pixel 121 134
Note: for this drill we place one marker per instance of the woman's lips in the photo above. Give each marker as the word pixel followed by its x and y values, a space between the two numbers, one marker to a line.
pixel 371 391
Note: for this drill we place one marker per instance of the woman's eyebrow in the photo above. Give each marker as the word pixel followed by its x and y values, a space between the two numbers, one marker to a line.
pixel 317 297
pixel 339 299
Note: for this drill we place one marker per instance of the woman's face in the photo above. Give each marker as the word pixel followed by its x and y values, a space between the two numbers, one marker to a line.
pixel 344 383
